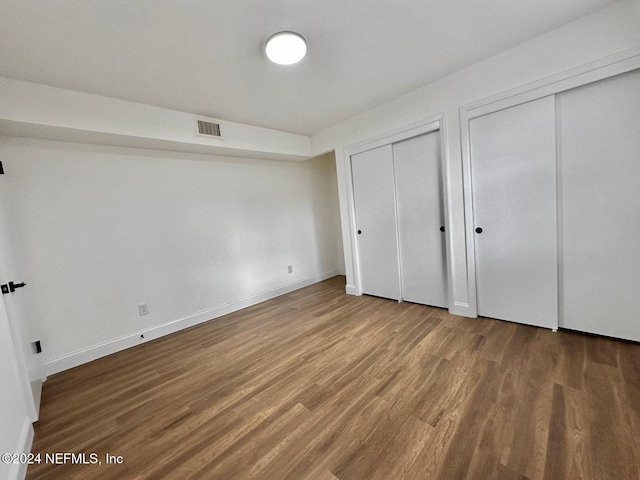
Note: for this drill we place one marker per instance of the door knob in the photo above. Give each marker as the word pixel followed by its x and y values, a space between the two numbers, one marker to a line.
pixel 479 230
pixel 442 228
pixel 359 232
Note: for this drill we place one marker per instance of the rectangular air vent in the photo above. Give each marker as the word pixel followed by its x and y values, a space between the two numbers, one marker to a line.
pixel 208 128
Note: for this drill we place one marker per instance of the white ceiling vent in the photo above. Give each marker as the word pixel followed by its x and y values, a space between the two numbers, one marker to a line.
pixel 208 128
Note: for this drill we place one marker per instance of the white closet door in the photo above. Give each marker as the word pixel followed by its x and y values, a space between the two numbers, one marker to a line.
pixel 23 326
pixel 374 197
pixel 420 216
pixel 513 170
pixel 599 154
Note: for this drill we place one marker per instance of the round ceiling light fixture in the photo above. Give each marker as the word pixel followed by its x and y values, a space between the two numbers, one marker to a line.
pixel 286 48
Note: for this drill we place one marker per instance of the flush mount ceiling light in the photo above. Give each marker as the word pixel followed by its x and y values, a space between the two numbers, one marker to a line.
pixel 286 48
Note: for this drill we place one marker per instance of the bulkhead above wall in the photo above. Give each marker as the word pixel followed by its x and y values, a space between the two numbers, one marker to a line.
pixel 40 111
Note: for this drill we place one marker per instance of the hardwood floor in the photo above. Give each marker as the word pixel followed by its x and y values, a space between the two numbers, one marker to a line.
pixel 320 385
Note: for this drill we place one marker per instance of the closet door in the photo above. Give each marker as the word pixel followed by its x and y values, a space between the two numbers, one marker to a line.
pixel 599 155
pixel 23 326
pixel 374 197
pixel 418 174
pixel 513 170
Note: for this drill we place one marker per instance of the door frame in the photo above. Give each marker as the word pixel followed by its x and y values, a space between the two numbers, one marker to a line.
pixel 601 69
pixel 427 125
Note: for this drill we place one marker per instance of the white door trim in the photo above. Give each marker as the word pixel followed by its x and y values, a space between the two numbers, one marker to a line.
pixel 600 69
pixel 427 125
pixel 606 67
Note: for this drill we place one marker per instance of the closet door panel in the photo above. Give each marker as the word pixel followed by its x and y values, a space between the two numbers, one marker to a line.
pixel 513 171
pixel 374 198
pixel 418 176
pixel 599 154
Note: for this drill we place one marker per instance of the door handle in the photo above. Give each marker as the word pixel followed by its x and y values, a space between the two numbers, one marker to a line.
pixel 479 230
pixel 11 287
pixel 359 232
pixel 442 228
pixel 14 286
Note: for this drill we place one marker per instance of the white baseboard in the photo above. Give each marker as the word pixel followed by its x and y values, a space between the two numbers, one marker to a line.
pixel 18 471
pixel 463 309
pixel 351 290
pixel 70 360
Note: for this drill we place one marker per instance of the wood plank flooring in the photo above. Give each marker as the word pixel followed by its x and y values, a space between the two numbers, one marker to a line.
pixel 317 384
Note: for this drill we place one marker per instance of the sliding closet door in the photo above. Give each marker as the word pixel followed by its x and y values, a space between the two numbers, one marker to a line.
pixel 419 195
pixel 599 155
pixel 513 171
pixel 374 197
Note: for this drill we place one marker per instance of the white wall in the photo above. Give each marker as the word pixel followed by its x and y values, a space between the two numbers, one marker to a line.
pixel 605 32
pixel 330 157
pixel 101 229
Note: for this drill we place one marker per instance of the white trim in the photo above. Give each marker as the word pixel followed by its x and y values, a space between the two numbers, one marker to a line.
pixel 70 360
pixel 465 147
pixel 606 67
pixel 351 290
pixel 36 390
pixel 397 225
pixel 559 217
pixel 396 135
pixel 601 69
pixel 461 309
pixel 447 203
pixel 18 471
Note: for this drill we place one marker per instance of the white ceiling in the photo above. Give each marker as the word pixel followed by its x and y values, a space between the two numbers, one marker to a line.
pixel 205 56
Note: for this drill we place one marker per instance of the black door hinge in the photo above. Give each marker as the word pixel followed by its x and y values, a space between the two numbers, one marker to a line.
pixel 38 346
pixel 11 287
pixel 1 169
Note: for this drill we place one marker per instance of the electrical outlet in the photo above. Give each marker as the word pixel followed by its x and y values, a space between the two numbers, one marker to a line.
pixel 143 309
pixel 290 268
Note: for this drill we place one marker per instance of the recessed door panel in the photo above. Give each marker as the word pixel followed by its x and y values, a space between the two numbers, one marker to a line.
pixel 513 171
